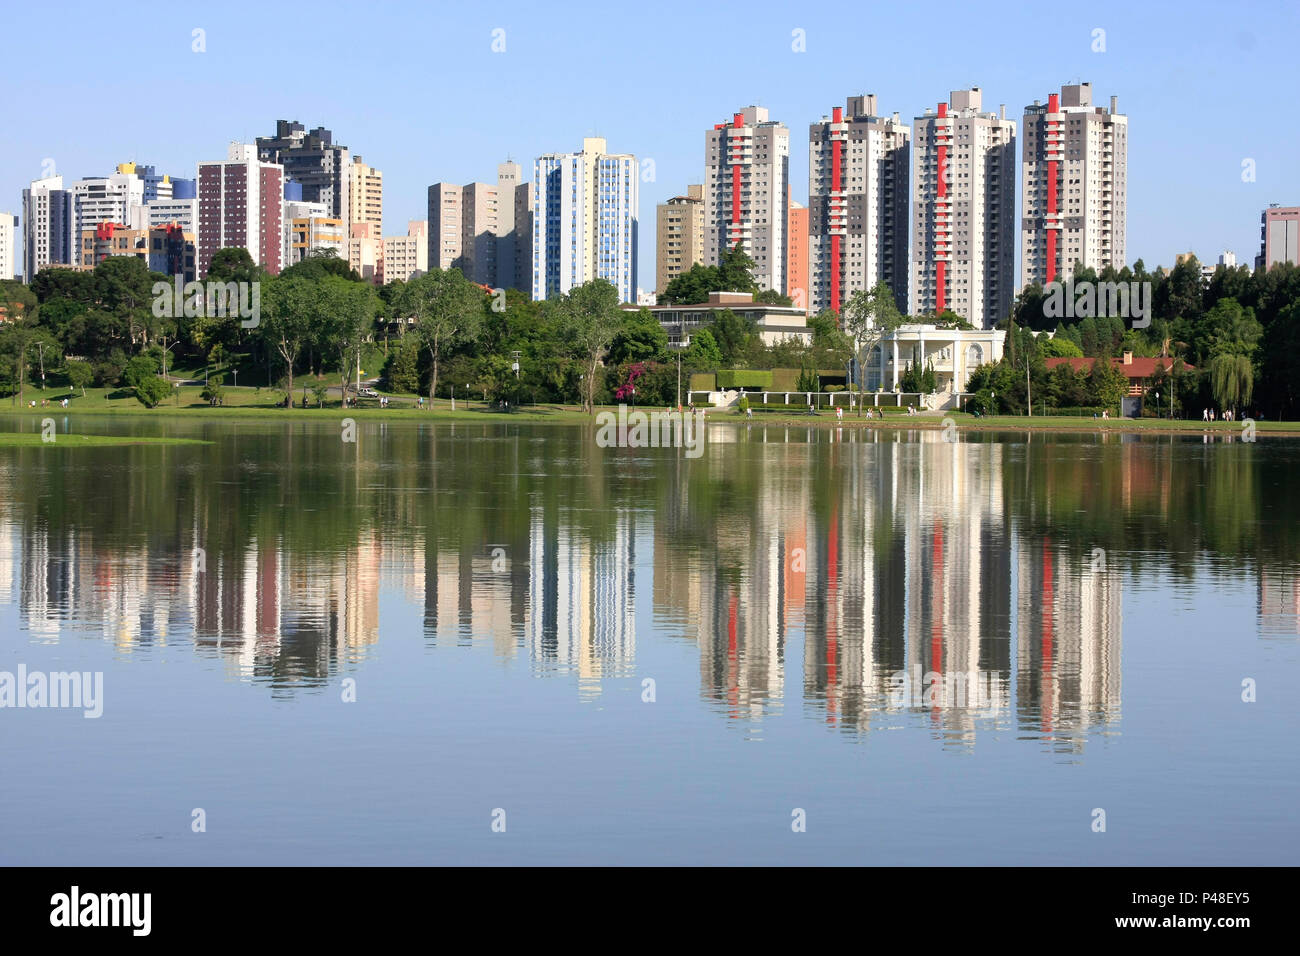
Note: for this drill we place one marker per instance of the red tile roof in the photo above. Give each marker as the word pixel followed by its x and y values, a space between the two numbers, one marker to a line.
pixel 1139 368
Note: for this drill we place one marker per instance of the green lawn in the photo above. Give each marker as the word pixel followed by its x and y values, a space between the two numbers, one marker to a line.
pixel 248 402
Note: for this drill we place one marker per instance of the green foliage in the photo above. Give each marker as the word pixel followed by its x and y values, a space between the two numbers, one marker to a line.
pixel 703 352
pixel 733 274
pixel 151 391
pixel 79 374
pixel 744 378
pixel 402 371
pixel 139 369
pixel 1107 385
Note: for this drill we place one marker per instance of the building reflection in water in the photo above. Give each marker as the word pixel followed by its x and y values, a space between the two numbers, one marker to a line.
pixel 879 555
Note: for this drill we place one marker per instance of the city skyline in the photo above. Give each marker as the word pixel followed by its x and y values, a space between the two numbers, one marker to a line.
pixel 1137 62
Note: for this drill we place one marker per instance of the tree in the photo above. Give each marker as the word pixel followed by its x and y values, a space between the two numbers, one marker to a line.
pixel 592 317
pixel 1106 384
pixel 349 312
pixel 703 352
pixel 640 339
pixel 79 374
pixel 151 391
pixel 868 318
pixel 402 373
pixel 233 264
pixel 288 318
pixel 448 311
pixel 1232 380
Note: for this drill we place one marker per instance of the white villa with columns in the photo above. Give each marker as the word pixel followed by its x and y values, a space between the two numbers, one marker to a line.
pixel 954 353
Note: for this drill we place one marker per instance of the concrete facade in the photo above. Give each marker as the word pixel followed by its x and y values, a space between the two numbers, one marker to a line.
pixel 1279 236
pixel 241 204
pixel 47 226
pixel 963 211
pixel 857 198
pixel 746 191
pixel 679 236
pixel 585 220
pixel 1074 186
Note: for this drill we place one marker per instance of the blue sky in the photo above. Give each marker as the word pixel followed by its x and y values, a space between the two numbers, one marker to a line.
pixel 416 89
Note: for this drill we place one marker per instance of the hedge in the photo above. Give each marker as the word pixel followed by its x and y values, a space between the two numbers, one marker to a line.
pixel 704 382
pixel 744 378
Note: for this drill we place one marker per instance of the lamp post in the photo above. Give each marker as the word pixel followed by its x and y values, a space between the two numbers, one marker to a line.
pixel 1158 415
pixel 41 347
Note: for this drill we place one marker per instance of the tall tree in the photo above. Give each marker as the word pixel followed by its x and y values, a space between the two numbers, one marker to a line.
pixel 448 311
pixel 591 318
pixel 290 310
pixel 868 318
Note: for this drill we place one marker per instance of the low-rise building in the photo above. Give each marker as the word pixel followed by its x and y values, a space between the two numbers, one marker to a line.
pixel 775 323
pixel 954 354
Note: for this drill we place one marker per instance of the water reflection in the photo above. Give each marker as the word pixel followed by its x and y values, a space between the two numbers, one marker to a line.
pixel 874 559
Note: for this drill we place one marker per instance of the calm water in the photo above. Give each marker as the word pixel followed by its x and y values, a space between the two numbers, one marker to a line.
pixel 501 600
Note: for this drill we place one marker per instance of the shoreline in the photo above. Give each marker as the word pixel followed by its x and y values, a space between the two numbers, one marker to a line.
pixel 571 415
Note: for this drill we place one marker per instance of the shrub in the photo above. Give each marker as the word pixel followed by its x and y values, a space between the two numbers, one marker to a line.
pixel 744 378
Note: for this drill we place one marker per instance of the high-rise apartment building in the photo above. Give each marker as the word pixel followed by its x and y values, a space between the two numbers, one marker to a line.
pixel 585 220
pixel 406 257
pixel 365 195
pixel 1074 186
pixel 241 204
pixel 746 188
pixel 679 235
pixel 857 204
pixel 1279 236
pixel 484 230
pixel 796 257
pixel 963 207
pixel 99 199
pixel 8 245
pixel 312 158
pixel 515 228
pixel 47 226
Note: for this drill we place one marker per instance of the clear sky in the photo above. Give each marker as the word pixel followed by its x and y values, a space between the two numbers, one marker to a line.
pixel 417 90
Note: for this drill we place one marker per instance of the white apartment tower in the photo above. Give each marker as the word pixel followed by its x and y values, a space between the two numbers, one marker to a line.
pixel 8 244
pixel 857 204
pixel 585 220
pixel 1074 186
pixel 963 210
pixel 47 226
pixel 746 194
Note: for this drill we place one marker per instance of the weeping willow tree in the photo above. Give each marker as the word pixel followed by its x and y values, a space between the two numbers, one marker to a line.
pixel 1232 380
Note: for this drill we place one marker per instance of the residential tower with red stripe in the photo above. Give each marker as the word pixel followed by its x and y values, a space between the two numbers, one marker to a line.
pixel 963 210
pixel 857 199
pixel 1073 187
pixel 746 193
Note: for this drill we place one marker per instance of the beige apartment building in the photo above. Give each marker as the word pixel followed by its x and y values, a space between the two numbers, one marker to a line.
pixel 366 252
pixel 746 193
pixel 406 257
pixel 365 195
pixel 963 210
pixel 679 235
pixel 1074 186
pixel 484 230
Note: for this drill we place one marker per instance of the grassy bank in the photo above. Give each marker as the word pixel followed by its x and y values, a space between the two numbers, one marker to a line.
pixel 250 404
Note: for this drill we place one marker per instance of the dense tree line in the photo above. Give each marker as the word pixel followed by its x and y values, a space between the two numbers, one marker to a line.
pixel 1232 342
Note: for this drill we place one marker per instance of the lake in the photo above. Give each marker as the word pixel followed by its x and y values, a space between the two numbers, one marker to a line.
pixel 500 643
